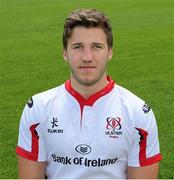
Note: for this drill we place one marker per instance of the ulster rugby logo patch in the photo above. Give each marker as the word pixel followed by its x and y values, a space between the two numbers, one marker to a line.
pixel 113 126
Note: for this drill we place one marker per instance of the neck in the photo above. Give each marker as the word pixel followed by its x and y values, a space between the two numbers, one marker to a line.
pixel 87 91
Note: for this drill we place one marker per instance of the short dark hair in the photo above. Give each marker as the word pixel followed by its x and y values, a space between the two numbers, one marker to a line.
pixel 87 18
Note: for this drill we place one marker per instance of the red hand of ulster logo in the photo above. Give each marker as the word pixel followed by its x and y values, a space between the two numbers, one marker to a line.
pixel 113 123
pixel 113 126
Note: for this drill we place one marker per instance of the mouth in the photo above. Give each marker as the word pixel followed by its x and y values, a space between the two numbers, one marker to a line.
pixel 87 67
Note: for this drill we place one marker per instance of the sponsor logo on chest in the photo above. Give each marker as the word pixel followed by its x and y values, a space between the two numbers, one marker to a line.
pixel 55 126
pixel 82 161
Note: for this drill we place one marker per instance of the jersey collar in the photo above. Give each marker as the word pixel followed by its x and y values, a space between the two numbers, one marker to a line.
pixel 93 98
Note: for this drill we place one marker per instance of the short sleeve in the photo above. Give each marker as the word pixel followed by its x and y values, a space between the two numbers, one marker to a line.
pixel 30 140
pixel 145 147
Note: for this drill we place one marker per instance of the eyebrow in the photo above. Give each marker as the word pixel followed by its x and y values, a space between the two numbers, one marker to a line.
pixel 98 43
pixel 76 44
pixel 80 43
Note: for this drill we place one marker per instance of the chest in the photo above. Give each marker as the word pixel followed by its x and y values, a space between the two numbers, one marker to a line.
pixel 94 130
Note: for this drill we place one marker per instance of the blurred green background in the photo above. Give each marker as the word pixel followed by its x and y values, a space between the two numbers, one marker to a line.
pixel 31 61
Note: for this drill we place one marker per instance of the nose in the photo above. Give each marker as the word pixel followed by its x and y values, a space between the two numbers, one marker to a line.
pixel 87 55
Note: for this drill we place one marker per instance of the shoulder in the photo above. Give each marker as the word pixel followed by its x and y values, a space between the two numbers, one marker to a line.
pixel 134 107
pixel 46 97
pixel 129 98
pixel 39 105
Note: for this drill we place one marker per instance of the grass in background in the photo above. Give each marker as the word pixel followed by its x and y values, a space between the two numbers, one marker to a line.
pixel 31 61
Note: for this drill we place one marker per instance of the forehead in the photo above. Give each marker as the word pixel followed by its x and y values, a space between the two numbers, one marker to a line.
pixel 85 35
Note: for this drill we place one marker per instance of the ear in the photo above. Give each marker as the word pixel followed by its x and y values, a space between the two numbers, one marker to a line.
pixel 110 54
pixel 65 55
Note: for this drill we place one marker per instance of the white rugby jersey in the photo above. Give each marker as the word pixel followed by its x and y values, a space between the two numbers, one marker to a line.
pixel 88 139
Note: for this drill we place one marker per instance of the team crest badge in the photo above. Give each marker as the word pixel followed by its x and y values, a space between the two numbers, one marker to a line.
pixel 113 127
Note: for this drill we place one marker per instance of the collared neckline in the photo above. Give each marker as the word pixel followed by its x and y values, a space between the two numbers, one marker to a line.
pixel 93 98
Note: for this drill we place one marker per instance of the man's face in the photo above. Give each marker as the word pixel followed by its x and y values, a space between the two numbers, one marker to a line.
pixel 87 53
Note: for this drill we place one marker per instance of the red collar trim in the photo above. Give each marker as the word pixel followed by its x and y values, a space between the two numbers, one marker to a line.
pixel 93 98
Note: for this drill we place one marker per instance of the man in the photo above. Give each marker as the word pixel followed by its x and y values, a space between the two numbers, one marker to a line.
pixel 88 127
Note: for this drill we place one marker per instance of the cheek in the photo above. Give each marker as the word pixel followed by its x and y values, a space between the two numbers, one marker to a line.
pixel 74 57
pixel 102 58
pixel 73 62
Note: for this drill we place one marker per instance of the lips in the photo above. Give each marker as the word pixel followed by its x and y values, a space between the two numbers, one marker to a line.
pixel 87 67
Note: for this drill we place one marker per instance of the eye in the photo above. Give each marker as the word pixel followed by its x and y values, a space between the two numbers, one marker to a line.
pixel 77 47
pixel 97 46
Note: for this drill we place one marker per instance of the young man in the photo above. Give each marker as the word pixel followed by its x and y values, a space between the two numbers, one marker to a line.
pixel 88 127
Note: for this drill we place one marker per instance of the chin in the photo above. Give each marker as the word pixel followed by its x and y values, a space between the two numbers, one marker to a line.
pixel 88 81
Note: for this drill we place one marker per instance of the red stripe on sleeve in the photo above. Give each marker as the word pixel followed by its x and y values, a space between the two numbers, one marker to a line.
pixel 33 155
pixel 143 160
pixel 143 144
pixel 151 160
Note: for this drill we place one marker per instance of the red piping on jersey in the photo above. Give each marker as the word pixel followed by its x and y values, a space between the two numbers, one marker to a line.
pixel 93 98
pixel 151 160
pixel 33 155
pixel 143 160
